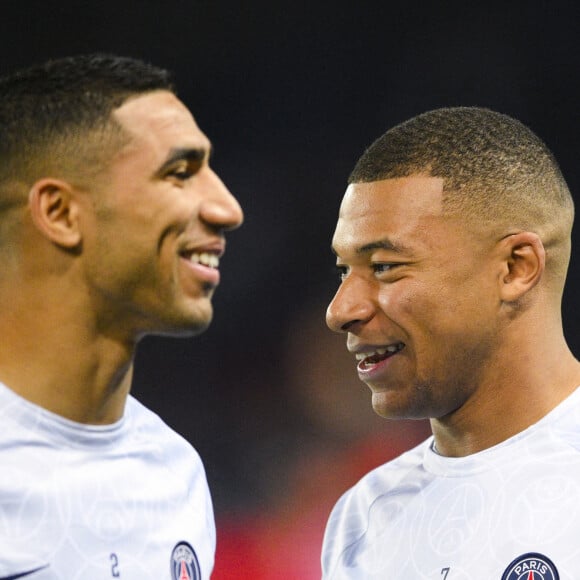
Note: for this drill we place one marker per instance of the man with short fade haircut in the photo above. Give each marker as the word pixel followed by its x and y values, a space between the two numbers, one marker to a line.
pixel 112 226
pixel 452 243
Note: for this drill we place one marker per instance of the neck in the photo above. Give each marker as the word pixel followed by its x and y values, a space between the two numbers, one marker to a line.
pixel 516 394
pixel 54 355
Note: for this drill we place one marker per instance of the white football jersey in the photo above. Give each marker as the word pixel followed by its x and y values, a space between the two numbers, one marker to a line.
pixel 128 500
pixel 511 512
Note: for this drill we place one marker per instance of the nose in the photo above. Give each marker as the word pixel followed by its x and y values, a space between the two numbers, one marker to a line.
pixel 220 208
pixel 351 306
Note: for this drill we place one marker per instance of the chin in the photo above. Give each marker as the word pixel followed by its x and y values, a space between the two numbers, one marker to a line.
pixel 197 323
pixel 183 330
pixel 185 323
pixel 195 316
pixel 387 409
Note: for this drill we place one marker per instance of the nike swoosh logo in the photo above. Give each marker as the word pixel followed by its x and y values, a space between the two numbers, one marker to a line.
pixel 24 574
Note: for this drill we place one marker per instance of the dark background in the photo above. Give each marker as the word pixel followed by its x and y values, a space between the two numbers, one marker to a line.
pixel 291 93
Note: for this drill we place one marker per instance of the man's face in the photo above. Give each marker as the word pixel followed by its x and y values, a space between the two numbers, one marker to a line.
pixel 418 297
pixel 154 232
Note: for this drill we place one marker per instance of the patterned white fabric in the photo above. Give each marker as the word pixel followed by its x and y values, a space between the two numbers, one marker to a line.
pixel 97 502
pixel 424 516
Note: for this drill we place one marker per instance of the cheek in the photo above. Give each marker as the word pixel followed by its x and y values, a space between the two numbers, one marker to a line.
pixel 432 318
pixel 410 304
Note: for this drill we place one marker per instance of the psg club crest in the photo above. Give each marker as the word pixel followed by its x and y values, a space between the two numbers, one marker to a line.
pixel 531 566
pixel 184 564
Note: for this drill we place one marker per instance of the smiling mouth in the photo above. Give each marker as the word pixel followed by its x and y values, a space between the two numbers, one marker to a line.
pixel 203 258
pixel 202 267
pixel 370 358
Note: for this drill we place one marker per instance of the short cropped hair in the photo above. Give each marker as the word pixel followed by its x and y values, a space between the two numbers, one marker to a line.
pixel 49 111
pixel 491 164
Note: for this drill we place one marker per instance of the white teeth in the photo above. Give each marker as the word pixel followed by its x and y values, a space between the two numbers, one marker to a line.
pixel 206 259
pixel 378 352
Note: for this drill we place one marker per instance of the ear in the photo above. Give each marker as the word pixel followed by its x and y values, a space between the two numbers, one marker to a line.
pixel 54 211
pixel 525 262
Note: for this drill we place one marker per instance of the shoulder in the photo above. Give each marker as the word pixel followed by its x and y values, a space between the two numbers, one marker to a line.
pixel 561 427
pixel 169 457
pixel 350 516
pixel 151 434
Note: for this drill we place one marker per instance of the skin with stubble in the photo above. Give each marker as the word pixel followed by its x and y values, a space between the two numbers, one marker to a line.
pixel 449 319
pixel 159 199
pixel 103 257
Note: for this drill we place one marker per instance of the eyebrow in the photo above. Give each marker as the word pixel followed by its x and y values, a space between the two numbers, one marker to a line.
pixel 384 244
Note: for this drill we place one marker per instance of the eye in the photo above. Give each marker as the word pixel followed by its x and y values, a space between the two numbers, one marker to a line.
pixel 379 268
pixel 183 170
pixel 383 268
pixel 342 272
pixel 181 174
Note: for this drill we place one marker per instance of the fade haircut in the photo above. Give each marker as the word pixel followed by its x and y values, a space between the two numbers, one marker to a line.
pixel 492 165
pixel 498 176
pixel 57 115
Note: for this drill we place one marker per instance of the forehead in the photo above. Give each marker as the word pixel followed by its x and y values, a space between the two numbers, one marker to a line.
pixel 403 211
pixel 157 122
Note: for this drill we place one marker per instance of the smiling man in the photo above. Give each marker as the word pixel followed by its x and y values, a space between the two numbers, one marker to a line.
pixel 112 227
pixel 452 243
